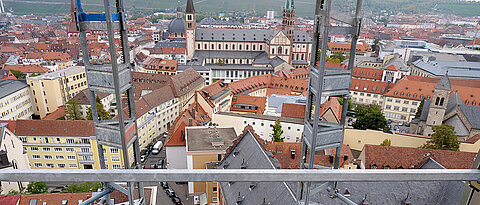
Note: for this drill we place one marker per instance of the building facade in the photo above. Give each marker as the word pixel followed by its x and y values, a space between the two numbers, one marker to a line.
pixel 51 90
pixel 15 101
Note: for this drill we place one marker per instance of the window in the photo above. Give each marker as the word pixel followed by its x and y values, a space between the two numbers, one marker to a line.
pixel 404 109
pixel 37 164
pixel 115 158
pixel 58 149
pixel 406 102
pixel 61 165
pixel 413 110
pixel 48 157
pixel 214 199
pixel 85 149
pixel 70 141
pixel 389 100
pixel 35 156
pixel 116 166
pixel 397 101
pixel 261 124
pixel 69 149
pixel 72 166
pixel 114 150
pixel 388 107
pixel 59 157
pixel 46 149
pixel 33 148
pixel 49 165
pixel 414 103
pixel 396 108
pixel 214 189
pixel 71 157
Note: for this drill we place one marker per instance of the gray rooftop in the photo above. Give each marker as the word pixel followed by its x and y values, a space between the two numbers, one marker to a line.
pixel 242 35
pixel 219 94
pixel 60 73
pixel 203 138
pixel 456 69
pixel 197 68
pixel 276 102
pixel 239 67
pixel 443 84
pixel 212 21
pixel 7 87
pixel 171 44
pixel 251 154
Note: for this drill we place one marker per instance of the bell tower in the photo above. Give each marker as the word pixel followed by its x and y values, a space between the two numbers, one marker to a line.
pixel 288 21
pixel 190 25
pixel 438 106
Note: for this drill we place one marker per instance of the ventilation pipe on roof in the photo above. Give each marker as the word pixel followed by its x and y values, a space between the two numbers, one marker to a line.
pixel 331 158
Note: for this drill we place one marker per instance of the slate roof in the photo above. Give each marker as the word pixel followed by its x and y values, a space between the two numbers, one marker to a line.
pixel 83 97
pixel 455 69
pixel 240 35
pixel 185 81
pixel 212 21
pixel 177 25
pixel 248 150
pixel 7 87
pixel 444 83
pixel 171 44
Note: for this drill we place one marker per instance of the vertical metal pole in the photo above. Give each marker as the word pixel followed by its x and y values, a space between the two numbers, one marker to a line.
pixel 118 95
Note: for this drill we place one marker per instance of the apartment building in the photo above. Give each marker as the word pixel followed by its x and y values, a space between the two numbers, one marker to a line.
pixel 204 147
pixel 64 144
pixel 15 102
pixel 367 91
pixel 51 90
pixel 12 156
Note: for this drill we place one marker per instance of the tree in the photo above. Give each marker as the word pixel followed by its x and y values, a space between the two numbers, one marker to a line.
pixel 443 138
pixel 15 192
pixel 37 187
pixel 102 113
pixel 419 109
pixel 18 74
pixel 277 132
pixel 386 142
pixel 83 187
pixel 73 110
pixel 350 102
pixel 370 117
pixel 338 55
pixel 221 62
pixel 375 43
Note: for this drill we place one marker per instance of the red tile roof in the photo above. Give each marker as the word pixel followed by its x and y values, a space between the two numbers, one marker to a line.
pixel 27 68
pixel 60 112
pixel 369 86
pixel 293 110
pixel 83 128
pixel 368 73
pixel 254 83
pixel 54 198
pixel 392 68
pixel 240 100
pixel 9 199
pixel 408 158
pixel 199 118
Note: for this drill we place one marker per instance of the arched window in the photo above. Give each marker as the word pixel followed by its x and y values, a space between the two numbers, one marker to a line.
pixel 273 50
pixel 205 46
pixel 199 46
pixel 253 47
pixel 219 46
pixel 226 46
pixel 280 50
pixel 213 46
pixel 261 47
pixel 437 101
pixel 240 47
pixel 441 101
pixel 246 47
pixel 233 46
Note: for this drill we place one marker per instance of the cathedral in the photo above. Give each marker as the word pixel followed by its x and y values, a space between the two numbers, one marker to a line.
pixel 264 48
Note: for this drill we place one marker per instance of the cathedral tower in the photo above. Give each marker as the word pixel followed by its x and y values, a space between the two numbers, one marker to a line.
pixel 288 18
pixel 438 106
pixel 190 25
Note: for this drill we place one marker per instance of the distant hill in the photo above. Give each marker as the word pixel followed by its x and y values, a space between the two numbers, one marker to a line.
pixel 303 7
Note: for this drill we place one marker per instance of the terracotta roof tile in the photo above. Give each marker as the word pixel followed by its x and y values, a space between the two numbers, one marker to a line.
pixel 27 68
pixel 293 110
pixel 60 112
pixel 369 86
pixel 244 100
pixel 408 158
pixel 54 198
pixel 199 118
pixel 82 128
pixel 368 73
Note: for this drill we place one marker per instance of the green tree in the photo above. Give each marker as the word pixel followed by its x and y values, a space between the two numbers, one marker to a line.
pixel 375 43
pixel 102 113
pixel 419 109
pixel 350 103
pixel 220 62
pixel 18 74
pixel 370 117
pixel 277 132
pixel 37 187
pixel 83 187
pixel 15 192
pixel 443 138
pixel 338 55
pixel 73 110
pixel 386 142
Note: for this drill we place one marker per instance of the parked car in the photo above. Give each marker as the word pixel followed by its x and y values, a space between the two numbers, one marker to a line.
pixel 143 158
pixel 176 201
pixel 350 123
pixel 150 148
pixel 351 114
pixel 400 123
pixel 164 185
pixel 389 121
pixel 161 162
pixel 170 193
pixel 157 147
pixel 407 124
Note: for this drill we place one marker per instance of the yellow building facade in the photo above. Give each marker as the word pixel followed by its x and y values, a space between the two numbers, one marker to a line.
pixel 51 90
pixel 64 144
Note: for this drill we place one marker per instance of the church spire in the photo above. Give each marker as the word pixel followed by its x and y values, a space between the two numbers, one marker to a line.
pixel 190 7
pixel 179 10
pixel 444 83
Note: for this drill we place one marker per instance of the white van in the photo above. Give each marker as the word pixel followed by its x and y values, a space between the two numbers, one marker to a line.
pixel 157 147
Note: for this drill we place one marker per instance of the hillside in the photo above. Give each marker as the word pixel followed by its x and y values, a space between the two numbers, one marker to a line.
pixel 303 7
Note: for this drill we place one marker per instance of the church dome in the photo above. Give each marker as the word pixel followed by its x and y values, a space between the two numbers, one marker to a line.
pixel 177 26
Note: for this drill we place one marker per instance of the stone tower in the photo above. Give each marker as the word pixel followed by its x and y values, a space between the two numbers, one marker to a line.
pixel 288 21
pixel 438 105
pixel 190 25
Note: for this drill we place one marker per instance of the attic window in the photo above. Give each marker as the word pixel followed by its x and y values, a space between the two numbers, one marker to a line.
pixel 395 93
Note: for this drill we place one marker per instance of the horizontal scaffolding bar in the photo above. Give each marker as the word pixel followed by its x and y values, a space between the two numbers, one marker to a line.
pixel 239 175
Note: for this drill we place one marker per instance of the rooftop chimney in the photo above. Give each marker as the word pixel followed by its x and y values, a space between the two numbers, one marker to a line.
pixel 190 122
pixel 292 152
pixel 331 158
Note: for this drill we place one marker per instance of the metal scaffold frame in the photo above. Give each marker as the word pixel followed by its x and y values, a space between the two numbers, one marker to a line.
pixel 114 78
pixel 326 82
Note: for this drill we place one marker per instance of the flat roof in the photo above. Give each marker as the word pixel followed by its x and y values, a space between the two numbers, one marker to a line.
pixel 204 138
pixel 60 73
pixel 7 87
